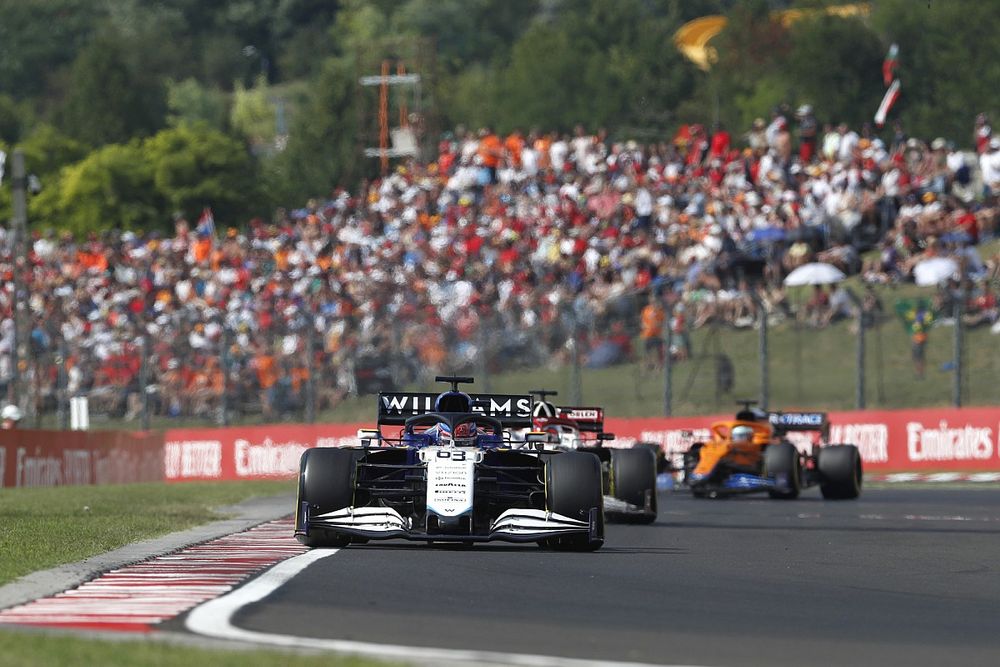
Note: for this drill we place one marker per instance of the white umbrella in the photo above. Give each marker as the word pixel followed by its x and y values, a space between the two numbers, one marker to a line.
pixel 935 270
pixel 814 273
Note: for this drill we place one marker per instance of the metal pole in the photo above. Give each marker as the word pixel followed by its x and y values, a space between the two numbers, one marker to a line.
pixel 577 380
pixel 144 380
pixel 859 394
pixel 668 364
pixel 762 353
pixel 19 257
pixel 311 371
pixel 62 388
pixel 959 348
pixel 226 364
pixel 484 365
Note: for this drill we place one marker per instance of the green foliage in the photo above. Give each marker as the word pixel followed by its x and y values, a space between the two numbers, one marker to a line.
pixel 601 63
pixel 190 102
pixel 38 37
pixel 47 150
pixel 323 147
pixel 193 166
pixel 11 119
pixel 835 65
pixel 112 188
pixel 252 113
pixel 109 99
pixel 949 63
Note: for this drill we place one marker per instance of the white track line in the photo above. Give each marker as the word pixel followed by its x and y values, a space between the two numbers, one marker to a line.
pixel 214 619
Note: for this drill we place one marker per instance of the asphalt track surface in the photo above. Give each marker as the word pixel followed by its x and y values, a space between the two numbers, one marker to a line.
pixel 901 576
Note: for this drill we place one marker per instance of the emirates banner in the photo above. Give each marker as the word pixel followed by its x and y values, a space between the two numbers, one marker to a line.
pixel 247 452
pixel 946 439
pixel 59 458
pixel 939 439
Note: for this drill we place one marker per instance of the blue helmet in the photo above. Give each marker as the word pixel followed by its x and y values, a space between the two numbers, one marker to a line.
pixel 453 401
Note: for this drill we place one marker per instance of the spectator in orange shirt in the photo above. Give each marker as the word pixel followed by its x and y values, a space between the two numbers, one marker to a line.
pixel 489 152
pixel 652 319
pixel 513 146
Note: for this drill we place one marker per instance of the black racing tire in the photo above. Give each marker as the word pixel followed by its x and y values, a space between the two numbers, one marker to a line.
pixel 658 453
pixel 783 462
pixel 840 472
pixel 633 476
pixel 326 482
pixel 573 483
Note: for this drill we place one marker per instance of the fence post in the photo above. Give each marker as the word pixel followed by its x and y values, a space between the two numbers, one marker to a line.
pixel 311 371
pixel 483 356
pixel 859 394
pixel 957 312
pixel 226 363
pixel 577 394
pixel 144 379
pixel 762 353
pixel 62 386
pixel 668 362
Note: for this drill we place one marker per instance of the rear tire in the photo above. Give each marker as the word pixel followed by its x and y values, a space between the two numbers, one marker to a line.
pixel 633 475
pixel 573 489
pixel 781 461
pixel 840 472
pixel 326 483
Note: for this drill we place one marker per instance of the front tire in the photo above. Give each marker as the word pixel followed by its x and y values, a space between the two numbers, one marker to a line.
pixel 573 489
pixel 781 461
pixel 633 475
pixel 840 472
pixel 326 483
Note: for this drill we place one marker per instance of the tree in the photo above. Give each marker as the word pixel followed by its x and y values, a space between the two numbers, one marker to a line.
pixel 112 188
pixel 835 64
pixel 11 119
pixel 190 102
pixel 37 37
pixel 252 113
pixel 193 166
pixel 323 147
pixel 47 150
pixel 109 100
pixel 949 63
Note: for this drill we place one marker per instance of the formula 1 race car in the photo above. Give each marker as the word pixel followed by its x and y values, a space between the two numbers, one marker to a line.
pixel 452 474
pixel 629 474
pixel 753 453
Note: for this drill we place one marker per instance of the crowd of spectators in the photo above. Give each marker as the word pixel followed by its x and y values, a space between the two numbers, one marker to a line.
pixel 510 250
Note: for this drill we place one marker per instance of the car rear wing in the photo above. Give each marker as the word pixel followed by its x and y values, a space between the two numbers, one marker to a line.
pixel 787 422
pixel 513 410
pixel 588 420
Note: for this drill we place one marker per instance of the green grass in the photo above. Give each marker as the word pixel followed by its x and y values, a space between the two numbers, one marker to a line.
pixel 44 527
pixel 21 649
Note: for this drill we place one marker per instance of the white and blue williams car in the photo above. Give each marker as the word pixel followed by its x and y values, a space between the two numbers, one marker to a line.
pixel 450 473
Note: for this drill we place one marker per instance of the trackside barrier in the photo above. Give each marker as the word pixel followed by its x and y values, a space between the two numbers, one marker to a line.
pixel 247 452
pixel 947 439
pixel 60 458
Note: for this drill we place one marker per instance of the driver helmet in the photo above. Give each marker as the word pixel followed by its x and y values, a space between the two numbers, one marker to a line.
pixel 742 433
pixel 453 401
